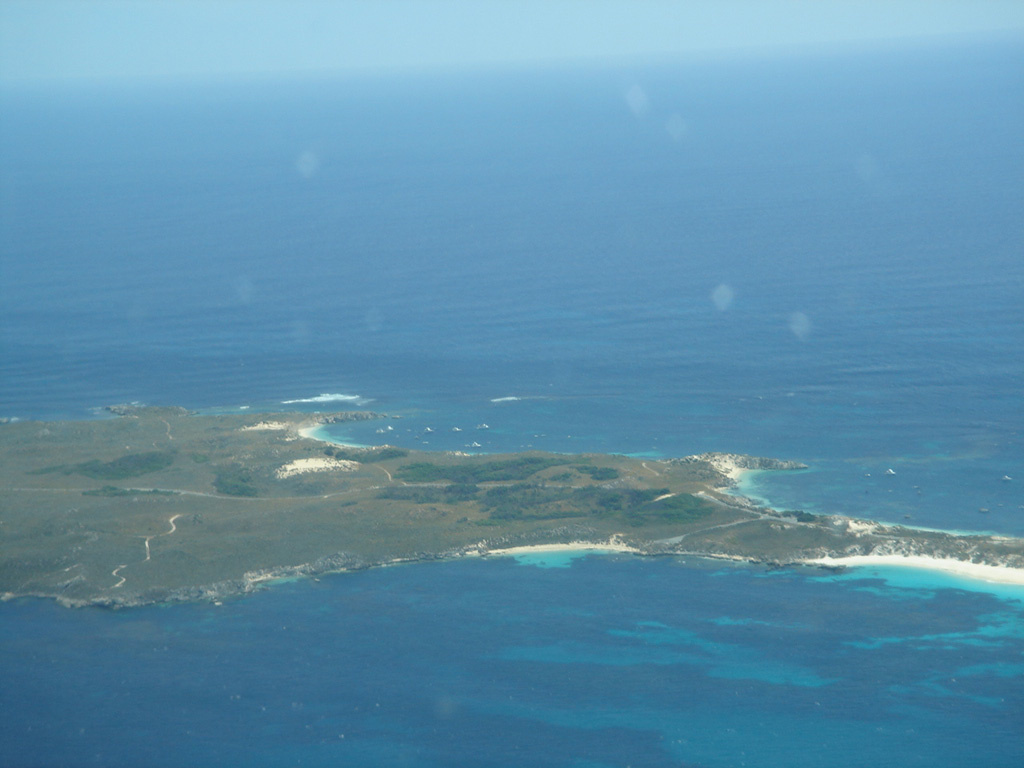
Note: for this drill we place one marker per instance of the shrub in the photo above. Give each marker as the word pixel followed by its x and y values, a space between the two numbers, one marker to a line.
pixel 496 471
pixel 598 473
pixel 235 480
pixel 131 465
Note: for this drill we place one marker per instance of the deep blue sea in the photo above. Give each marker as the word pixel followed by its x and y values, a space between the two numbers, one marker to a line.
pixel 814 256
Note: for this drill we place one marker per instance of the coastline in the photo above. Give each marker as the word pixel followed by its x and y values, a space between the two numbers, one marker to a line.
pixel 994 574
pixel 613 544
pixel 315 432
pixel 254 581
pixel 975 572
pixel 309 432
pixel 729 467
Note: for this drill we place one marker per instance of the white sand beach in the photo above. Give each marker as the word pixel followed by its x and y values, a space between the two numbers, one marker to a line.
pixel 311 433
pixel 992 573
pixel 614 544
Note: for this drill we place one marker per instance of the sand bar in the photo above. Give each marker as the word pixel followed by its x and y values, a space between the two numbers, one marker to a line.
pixel 997 574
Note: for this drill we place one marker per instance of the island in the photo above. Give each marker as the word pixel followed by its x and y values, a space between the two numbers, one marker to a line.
pixel 160 504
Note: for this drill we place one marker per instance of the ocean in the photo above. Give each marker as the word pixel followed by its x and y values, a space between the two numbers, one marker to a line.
pixel 814 257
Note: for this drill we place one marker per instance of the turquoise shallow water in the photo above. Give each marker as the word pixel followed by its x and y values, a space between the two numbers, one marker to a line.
pixel 603 660
pixel 965 493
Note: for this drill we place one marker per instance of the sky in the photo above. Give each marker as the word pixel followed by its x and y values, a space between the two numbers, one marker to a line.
pixel 100 39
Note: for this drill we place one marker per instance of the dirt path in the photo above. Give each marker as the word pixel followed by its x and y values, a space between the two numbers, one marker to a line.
pixel 145 540
pixel 677 539
pixel 116 575
pixel 158 535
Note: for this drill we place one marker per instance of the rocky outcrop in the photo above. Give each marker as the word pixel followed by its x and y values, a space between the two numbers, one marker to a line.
pixel 343 416
pixel 134 409
pixel 741 461
pixel 729 466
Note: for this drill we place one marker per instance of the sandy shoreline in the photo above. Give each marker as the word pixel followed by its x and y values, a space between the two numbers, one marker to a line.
pixel 994 574
pixel 310 433
pixel 313 433
pixel 614 544
pixel 997 574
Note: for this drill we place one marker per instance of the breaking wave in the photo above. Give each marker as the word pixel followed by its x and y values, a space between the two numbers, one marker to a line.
pixel 328 397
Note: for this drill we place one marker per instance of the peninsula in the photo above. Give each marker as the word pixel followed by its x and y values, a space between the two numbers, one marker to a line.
pixel 161 504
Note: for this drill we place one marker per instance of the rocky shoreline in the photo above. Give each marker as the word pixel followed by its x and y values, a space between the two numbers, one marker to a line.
pixel 871 540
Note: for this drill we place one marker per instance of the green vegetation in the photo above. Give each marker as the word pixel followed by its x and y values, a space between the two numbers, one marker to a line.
pixel 800 516
pixel 679 508
pixel 528 500
pixel 112 491
pixel 417 495
pixel 494 471
pixel 366 455
pixel 637 506
pixel 448 494
pixel 597 473
pixel 604 500
pixel 130 465
pixel 462 491
pixel 51 470
pixel 235 480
